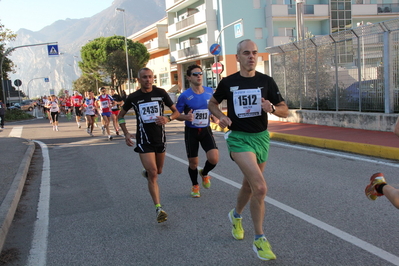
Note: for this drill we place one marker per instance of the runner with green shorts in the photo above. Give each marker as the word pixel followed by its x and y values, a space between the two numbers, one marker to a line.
pixel 250 96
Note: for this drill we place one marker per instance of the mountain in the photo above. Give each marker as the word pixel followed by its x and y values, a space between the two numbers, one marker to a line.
pixel 33 63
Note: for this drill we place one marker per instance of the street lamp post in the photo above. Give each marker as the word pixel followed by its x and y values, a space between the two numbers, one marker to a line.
pixel 9 50
pixel 127 57
pixel 29 93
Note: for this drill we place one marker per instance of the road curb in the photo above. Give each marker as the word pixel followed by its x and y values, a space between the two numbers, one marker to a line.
pixel 11 200
pixel 346 146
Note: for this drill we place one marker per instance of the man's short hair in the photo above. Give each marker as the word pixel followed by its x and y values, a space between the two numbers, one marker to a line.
pixel 190 68
pixel 144 68
pixel 239 45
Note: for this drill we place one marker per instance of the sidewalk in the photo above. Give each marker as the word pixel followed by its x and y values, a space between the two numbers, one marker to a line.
pixel 365 142
pixel 15 158
pixel 16 154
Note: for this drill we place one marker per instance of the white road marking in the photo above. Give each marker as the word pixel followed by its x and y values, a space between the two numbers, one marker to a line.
pixel 330 229
pixel 38 251
pixel 337 154
pixel 16 132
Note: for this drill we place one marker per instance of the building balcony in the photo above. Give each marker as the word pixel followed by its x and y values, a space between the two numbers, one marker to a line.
pixel 188 25
pixel 156 45
pixel 189 53
pixel 176 5
pixel 280 40
pixel 367 9
pixel 311 12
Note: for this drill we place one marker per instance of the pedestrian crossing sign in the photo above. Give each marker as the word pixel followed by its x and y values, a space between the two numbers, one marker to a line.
pixel 52 50
pixel 238 30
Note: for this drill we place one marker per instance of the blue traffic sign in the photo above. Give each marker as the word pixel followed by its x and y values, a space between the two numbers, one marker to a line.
pixel 238 30
pixel 215 49
pixel 17 82
pixel 46 80
pixel 52 50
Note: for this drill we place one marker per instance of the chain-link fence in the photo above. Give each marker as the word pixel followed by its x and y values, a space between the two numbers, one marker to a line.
pixel 353 70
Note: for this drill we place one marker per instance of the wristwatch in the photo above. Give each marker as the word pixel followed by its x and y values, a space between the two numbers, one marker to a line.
pixel 274 109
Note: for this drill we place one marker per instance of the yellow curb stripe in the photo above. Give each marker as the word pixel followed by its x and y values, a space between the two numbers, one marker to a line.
pixel 353 147
pixel 359 148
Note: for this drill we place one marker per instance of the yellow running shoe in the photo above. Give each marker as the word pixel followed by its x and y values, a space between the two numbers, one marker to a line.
pixel 206 180
pixel 195 191
pixel 162 216
pixel 236 231
pixel 371 192
pixel 263 249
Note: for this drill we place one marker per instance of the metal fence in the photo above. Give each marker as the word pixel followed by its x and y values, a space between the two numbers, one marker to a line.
pixel 353 70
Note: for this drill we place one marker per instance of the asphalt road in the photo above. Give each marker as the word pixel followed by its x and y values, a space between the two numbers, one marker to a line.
pixel 89 205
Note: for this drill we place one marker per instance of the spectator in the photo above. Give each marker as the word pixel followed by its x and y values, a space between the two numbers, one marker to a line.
pixel 2 113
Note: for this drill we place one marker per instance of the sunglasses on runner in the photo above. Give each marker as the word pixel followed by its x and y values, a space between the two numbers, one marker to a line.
pixel 195 74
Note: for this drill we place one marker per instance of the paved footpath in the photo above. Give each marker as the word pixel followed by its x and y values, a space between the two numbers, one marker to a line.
pixel 365 142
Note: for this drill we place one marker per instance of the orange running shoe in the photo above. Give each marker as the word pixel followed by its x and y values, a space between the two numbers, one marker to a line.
pixel 195 191
pixel 371 192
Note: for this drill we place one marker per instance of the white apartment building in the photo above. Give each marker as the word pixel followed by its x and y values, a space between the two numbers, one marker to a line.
pixel 192 26
pixel 154 39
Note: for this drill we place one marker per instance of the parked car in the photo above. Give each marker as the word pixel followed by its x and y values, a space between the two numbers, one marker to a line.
pixel 28 105
pixel 14 106
pixel 369 88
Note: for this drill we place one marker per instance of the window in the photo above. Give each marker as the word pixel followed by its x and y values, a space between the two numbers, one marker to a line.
pixel 288 32
pixel 194 41
pixel 341 17
pixel 164 79
pixel 258 33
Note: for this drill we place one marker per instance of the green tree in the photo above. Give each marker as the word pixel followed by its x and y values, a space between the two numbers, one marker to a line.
pixel 87 82
pixel 6 35
pixel 104 59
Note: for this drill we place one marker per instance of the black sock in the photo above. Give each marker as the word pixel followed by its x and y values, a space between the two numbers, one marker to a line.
pixel 193 175
pixel 379 188
pixel 207 168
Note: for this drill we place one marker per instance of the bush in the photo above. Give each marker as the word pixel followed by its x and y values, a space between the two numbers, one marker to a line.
pixel 16 114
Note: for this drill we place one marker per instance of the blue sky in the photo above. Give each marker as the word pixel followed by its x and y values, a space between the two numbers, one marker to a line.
pixel 36 14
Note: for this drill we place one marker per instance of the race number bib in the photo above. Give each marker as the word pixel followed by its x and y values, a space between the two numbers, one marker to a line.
pixel 149 111
pixel 76 100
pixel 90 107
pixel 104 104
pixel 247 103
pixel 201 118
pixel 54 107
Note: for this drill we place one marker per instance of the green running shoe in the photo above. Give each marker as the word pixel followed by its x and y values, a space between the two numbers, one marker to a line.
pixel 263 249
pixel 236 231
pixel 206 180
